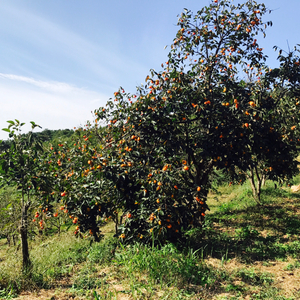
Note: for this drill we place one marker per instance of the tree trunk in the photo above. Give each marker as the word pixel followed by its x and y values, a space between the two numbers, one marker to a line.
pixel 14 239
pixel 116 223
pixel 8 239
pixel 256 188
pixel 24 237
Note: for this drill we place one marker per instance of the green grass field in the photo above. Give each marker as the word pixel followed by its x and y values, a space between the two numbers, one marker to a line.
pixel 244 251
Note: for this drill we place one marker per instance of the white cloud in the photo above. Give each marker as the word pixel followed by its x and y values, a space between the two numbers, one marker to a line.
pixel 60 87
pixel 52 105
pixel 47 49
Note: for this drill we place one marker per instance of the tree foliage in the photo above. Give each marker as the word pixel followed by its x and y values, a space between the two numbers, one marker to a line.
pixel 20 166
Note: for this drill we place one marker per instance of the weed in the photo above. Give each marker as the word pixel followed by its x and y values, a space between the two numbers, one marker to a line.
pixel 85 281
pixel 255 278
pixel 166 265
pixel 102 252
pixel 270 293
pixel 7 294
pixel 292 266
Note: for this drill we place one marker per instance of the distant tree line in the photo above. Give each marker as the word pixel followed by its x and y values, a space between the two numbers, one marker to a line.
pixel 47 135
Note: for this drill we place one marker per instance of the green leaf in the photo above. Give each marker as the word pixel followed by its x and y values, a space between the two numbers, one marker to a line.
pixel 6 129
pixel 11 122
pixel 8 206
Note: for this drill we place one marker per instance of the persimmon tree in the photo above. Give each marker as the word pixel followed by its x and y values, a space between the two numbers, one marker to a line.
pixel 82 182
pixel 197 114
pixel 20 166
pixel 277 94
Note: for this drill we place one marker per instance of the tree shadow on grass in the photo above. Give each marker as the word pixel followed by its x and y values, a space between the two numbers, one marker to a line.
pixel 262 232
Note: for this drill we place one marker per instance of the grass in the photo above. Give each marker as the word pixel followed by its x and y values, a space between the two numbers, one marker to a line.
pixel 244 251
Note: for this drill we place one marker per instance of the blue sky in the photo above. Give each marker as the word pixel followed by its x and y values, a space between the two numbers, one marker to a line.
pixel 60 60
